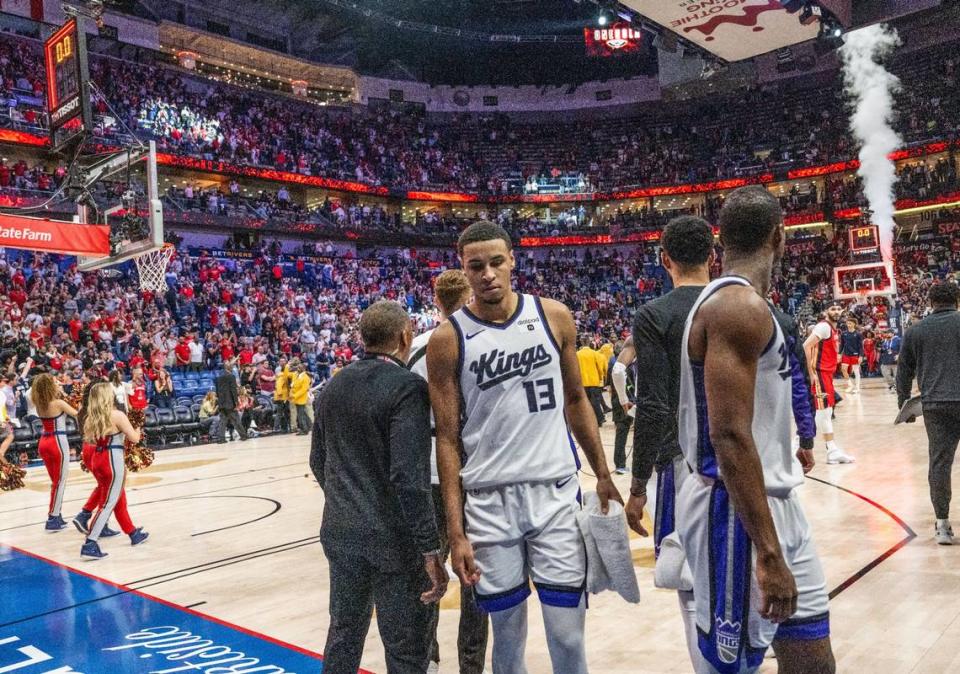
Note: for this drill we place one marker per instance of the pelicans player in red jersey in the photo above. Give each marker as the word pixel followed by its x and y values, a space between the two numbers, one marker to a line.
pixel 822 359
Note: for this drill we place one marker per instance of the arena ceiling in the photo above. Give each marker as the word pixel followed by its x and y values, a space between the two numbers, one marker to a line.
pixel 507 42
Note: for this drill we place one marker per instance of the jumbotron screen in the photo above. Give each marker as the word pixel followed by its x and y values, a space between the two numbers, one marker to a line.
pixel 619 38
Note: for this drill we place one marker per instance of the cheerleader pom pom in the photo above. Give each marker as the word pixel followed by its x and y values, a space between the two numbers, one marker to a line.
pixel 137 457
pixel 11 477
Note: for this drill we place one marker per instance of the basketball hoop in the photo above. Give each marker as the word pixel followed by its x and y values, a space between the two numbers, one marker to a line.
pixel 152 268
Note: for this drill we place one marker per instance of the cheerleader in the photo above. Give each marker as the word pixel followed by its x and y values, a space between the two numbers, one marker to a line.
pixel 53 448
pixel 99 495
pixel 106 428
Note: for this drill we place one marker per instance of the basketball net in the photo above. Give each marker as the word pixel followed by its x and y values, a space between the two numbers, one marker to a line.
pixel 152 268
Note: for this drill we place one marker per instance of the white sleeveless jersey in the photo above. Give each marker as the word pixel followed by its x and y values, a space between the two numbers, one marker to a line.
pixel 418 365
pixel 511 388
pixel 772 408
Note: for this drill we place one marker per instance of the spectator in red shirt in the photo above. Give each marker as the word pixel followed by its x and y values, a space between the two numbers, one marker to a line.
pixel 182 351
pixel 226 350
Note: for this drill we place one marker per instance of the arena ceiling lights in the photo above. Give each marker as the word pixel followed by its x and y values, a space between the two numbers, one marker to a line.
pixel 733 30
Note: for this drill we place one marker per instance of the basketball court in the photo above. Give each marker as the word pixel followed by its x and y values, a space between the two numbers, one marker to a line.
pixel 233 576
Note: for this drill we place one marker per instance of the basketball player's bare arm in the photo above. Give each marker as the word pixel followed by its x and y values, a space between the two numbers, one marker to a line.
pixel 733 328
pixel 580 415
pixel 443 353
pixel 810 351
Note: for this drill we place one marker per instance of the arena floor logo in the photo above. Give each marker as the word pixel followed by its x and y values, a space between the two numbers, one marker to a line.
pixel 67 622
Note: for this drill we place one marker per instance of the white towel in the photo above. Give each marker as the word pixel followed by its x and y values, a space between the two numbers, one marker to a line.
pixel 672 571
pixel 609 563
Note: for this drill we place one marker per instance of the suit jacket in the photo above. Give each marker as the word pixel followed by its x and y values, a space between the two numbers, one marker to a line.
pixel 371 455
pixel 227 392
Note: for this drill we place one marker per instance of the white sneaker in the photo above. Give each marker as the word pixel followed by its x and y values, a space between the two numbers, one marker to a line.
pixel 944 533
pixel 839 456
pixel 433 668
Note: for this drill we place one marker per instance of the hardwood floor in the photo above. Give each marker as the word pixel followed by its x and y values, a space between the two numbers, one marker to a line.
pixel 234 533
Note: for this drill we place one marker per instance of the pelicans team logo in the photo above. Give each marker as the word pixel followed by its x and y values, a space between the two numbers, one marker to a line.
pixel 728 640
pixel 498 366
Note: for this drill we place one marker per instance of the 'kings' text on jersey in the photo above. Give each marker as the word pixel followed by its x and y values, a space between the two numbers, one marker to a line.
pixel 511 387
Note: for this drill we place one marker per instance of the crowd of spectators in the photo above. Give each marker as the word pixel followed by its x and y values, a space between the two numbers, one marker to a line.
pixel 760 129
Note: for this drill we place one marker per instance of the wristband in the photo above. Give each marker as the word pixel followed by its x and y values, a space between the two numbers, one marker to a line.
pixel 806 444
pixel 432 553
pixel 638 487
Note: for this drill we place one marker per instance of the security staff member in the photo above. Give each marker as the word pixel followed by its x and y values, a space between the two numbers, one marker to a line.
pixel 281 398
pixel 371 455
pixel 592 375
pixel 931 352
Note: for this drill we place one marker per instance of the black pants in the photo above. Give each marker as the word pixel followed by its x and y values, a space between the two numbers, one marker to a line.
pixel 943 434
pixel 281 416
pixel 474 626
pixel 595 396
pixel 230 417
pixel 356 588
pixel 623 423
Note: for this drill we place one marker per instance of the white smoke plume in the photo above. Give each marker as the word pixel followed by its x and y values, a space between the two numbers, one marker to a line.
pixel 870 88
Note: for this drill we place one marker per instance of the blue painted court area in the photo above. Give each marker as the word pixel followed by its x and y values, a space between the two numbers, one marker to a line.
pixel 54 620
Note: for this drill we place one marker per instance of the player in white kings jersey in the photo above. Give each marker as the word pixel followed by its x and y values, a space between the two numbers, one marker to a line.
pixel 504 385
pixel 757 578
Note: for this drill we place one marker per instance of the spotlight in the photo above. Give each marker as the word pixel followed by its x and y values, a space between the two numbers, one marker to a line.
pixel 602 20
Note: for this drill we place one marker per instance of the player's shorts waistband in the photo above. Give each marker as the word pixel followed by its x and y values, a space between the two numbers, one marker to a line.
pixel 562 480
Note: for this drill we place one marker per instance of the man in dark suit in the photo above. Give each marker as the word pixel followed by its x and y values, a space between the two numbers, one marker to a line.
pixel 228 395
pixel 931 353
pixel 371 455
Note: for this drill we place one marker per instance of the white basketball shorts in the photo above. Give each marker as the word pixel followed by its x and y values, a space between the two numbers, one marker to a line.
pixel 527 531
pixel 732 636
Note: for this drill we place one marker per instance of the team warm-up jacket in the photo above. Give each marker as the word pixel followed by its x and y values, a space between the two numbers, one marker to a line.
pixel 371 456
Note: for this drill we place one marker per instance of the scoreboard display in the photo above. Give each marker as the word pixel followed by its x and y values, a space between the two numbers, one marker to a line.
pixel 68 102
pixel 864 241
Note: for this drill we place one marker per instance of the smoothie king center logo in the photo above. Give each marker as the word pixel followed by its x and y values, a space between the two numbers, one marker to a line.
pixel 721 12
